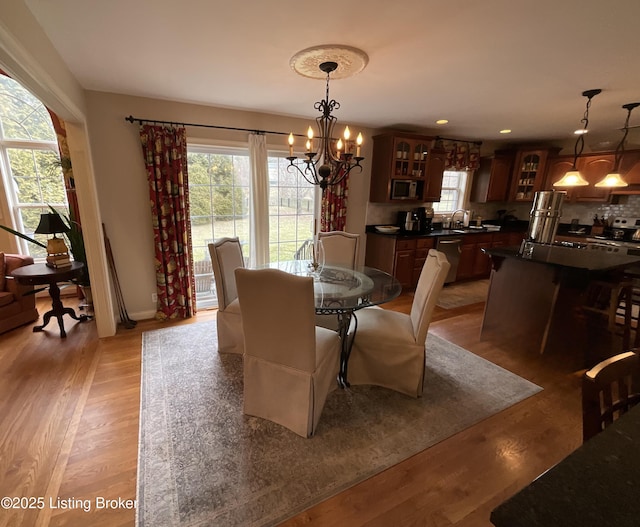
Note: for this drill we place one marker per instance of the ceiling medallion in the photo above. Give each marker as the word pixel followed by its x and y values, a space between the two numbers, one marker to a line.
pixel 350 61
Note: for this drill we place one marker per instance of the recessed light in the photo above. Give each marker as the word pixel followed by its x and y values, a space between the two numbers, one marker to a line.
pixel 442 121
pixel 505 131
pixel 581 131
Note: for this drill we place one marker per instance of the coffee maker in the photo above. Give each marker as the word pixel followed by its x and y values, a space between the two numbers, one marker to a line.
pixel 424 219
pixel 407 221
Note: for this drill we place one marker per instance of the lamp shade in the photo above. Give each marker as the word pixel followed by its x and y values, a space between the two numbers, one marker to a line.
pixel 612 180
pixel 50 224
pixel 573 178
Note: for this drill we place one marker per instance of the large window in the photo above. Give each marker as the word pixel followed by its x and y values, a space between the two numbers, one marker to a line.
pixel 29 161
pixel 452 197
pixel 219 197
pixel 291 206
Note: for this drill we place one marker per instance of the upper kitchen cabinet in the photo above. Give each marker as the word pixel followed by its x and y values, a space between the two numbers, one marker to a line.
pixel 529 173
pixel 405 167
pixel 491 180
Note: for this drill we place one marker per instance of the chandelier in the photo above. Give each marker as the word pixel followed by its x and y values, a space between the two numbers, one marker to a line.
pixel 573 178
pixel 328 161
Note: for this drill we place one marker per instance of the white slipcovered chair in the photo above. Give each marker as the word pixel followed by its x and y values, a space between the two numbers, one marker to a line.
pixel 226 257
pixel 290 366
pixel 389 347
pixel 340 248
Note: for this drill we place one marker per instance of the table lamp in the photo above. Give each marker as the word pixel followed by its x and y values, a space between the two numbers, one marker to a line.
pixel 52 224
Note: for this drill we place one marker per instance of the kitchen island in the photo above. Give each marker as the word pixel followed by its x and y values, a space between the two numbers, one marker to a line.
pixel 536 300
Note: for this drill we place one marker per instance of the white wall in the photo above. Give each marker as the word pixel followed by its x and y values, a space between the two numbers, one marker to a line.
pixel 122 186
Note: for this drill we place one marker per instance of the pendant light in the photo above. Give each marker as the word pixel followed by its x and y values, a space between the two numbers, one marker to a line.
pixel 573 178
pixel 614 179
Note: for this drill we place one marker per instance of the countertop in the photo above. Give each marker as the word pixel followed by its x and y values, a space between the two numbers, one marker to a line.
pixel 442 232
pixel 589 259
pixel 596 485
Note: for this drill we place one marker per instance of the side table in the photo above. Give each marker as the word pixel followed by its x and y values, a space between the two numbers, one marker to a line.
pixel 41 274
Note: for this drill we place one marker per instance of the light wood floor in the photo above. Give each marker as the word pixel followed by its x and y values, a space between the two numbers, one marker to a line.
pixel 69 412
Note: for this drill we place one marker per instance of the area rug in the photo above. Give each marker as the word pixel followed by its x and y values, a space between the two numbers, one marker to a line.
pixel 202 462
pixel 463 293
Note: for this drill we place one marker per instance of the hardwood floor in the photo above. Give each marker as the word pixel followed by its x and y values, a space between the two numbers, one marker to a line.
pixel 69 412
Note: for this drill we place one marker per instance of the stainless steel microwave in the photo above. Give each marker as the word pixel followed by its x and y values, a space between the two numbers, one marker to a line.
pixel 404 189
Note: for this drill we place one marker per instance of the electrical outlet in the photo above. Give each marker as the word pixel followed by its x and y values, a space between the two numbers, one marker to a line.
pixel 154 297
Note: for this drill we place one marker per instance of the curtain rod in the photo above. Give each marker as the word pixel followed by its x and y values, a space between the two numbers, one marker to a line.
pixel 133 119
pixel 440 138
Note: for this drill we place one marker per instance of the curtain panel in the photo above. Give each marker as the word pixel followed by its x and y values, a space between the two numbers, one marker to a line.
pixel 333 211
pixel 259 220
pixel 461 155
pixel 165 157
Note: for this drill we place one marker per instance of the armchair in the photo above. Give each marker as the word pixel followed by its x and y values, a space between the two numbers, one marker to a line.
pixel 16 306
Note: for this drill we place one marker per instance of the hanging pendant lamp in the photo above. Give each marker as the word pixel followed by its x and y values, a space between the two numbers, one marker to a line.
pixel 614 179
pixel 573 178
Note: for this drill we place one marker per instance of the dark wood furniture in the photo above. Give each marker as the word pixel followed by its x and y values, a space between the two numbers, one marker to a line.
pixel 529 173
pixel 594 486
pixel 41 274
pixel 406 157
pixel 400 256
pixel 609 389
pixel 491 180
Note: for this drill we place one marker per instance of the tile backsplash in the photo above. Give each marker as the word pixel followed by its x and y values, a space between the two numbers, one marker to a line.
pixel 629 206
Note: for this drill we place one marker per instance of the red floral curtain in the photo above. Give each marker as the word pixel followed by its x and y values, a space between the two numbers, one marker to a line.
pixel 333 212
pixel 165 157
pixel 67 169
pixel 462 155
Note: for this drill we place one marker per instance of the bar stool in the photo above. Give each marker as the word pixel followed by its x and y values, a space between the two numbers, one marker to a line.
pixel 608 308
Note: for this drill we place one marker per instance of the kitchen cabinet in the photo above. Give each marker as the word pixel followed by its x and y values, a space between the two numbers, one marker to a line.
pixel 491 180
pixel 406 158
pixel 473 262
pixel 529 173
pixel 593 168
pixel 401 257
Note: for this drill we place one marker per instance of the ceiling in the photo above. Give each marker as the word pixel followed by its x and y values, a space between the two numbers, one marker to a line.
pixel 484 66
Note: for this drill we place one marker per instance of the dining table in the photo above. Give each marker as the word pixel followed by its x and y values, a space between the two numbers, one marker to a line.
pixel 342 291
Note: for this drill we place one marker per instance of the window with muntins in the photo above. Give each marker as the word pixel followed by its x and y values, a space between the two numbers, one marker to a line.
pixel 453 191
pixel 29 162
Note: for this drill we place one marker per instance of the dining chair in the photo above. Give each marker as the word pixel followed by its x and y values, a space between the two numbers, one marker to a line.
pixel 290 365
pixel 340 248
pixel 609 389
pixel 226 257
pixel 389 347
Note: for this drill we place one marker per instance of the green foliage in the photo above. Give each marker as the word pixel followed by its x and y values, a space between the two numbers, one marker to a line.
pixel 227 175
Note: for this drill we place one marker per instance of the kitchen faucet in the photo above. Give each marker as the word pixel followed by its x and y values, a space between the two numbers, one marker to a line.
pixel 453 224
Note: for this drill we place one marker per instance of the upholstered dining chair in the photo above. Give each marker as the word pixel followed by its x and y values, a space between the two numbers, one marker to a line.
pixel 389 347
pixel 226 257
pixel 609 389
pixel 290 366
pixel 340 248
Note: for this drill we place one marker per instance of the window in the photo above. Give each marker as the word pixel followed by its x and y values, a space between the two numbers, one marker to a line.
pixel 453 191
pixel 219 198
pixel 291 207
pixel 29 161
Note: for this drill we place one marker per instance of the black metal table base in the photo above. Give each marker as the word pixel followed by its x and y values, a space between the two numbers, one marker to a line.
pixel 344 322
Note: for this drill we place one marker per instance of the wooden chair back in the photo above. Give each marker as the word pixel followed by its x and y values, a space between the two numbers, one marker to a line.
pixel 609 390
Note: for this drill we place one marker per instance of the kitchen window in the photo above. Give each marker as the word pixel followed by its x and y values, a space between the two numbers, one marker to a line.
pixel 454 191
pixel 29 162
